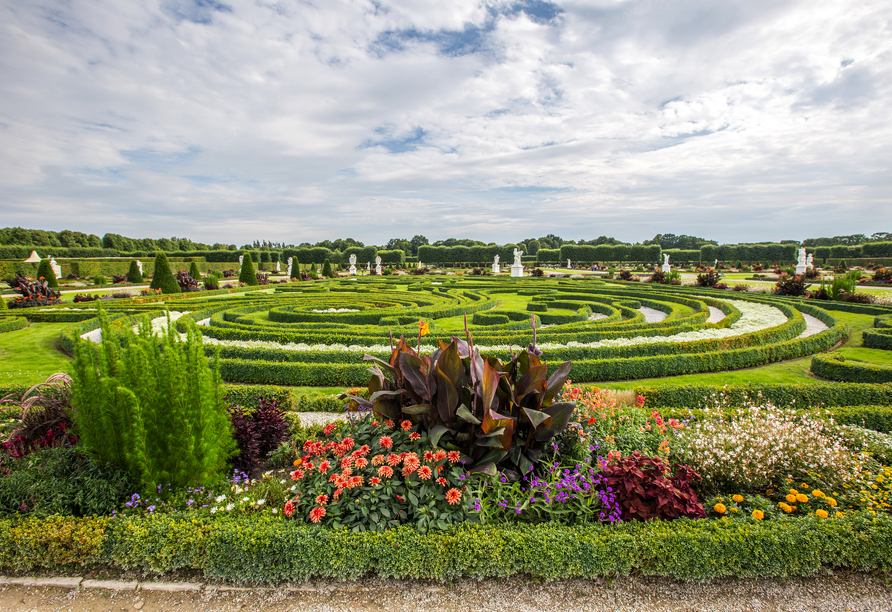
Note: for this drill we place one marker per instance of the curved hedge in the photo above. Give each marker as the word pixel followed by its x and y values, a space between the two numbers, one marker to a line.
pixel 812 395
pixel 877 338
pixel 12 323
pixel 835 367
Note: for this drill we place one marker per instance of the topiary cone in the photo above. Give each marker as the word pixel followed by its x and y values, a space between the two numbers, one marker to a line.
pixel 45 270
pixel 163 278
pixel 133 275
pixel 326 269
pixel 194 272
pixel 247 274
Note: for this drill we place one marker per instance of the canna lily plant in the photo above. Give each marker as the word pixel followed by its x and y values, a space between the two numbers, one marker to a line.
pixel 498 415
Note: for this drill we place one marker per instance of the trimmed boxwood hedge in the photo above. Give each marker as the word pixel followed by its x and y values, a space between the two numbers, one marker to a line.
pixel 813 395
pixel 877 338
pixel 835 367
pixel 12 323
pixel 263 549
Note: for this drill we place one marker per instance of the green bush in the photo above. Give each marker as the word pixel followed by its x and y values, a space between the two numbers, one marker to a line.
pixel 326 269
pixel 152 405
pixel 163 278
pixel 877 338
pixel 99 281
pixel 537 307
pixel 45 270
pixel 194 272
pixel 133 275
pixel 11 323
pixel 835 367
pixel 247 275
pixel 819 395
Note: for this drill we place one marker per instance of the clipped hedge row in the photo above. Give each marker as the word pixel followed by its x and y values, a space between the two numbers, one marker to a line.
pixel 816 395
pixel 877 418
pixel 835 367
pixel 877 338
pixel 264 549
pixel 12 323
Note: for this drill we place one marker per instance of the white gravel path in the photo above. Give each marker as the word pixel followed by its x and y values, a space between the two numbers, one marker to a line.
pixel 812 326
pixel 204 322
pixel 715 315
pixel 158 324
pixel 595 316
pixel 652 315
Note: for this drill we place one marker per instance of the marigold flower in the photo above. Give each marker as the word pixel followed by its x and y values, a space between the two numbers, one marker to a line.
pixel 289 508
pixel 818 493
pixel 385 442
pixel 415 436
pixel 454 456
pixel 794 492
pixel 830 501
pixel 453 496
pixel 821 513
pixel 297 462
pixel 802 498
pixel 790 498
pixel 720 508
pixel 737 498
pixel 406 425
pixel 297 474
pixel 786 507
pixel 385 471
pixel 758 515
pixel 316 514
pixel 322 499
pixel 425 473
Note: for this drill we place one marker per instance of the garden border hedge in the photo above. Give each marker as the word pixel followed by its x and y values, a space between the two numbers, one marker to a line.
pixel 835 367
pixel 814 395
pixel 264 549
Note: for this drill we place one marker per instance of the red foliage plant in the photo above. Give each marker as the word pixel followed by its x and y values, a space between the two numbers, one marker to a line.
pixel 646 489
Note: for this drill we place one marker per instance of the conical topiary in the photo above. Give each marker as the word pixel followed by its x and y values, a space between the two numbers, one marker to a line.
pixel 133 275
pixel 326 269
pixel 194 272
pixel 45 270
pixel 163 278
pixel 247 274
pixel 3 305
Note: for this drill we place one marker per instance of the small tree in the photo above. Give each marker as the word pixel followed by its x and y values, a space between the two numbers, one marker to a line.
pixel 163 278
pixel 3 305
pixel 46 271
pixel 247 274
pixel 326 269
pixel 133 275
pixel 194 272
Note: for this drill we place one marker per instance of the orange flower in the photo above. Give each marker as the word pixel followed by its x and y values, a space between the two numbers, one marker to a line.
pixel 453 496
pixel 454 456
pixel 385 471
pixel 322 499
pixel 385 442
pixel 758 515
pixel 425 473
pixel 423 328
pixel 316 514
pixel 289 508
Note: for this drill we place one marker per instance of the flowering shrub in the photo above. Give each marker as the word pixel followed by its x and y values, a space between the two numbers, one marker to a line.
pixel 379 475
pixel 760 446
pixel 791 285
pixel 646 488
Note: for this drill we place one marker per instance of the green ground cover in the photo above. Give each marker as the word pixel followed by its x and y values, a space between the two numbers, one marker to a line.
pixel 30 355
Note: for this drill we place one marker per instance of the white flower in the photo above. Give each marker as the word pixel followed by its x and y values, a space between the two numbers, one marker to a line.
pixel 219 498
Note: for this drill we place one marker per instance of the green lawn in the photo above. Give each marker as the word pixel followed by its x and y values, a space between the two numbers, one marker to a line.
pixel 30 355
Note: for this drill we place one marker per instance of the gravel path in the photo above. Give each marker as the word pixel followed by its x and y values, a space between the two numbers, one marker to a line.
pixel 715 315
pixel 652 315
pixel 320 418
pixel 836 593
pixel 812 326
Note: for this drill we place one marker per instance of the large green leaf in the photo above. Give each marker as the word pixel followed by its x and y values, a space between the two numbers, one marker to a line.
pixel 560 415
pixel 536 417
pixel 437 432
pixel 418 409
pixel 447 398
pixel 488 468
pixel 530 381
pixel 416 370
pixel 465 415
pixel 490 442
pixel 380 363
pixel 488 386
pixel 556 383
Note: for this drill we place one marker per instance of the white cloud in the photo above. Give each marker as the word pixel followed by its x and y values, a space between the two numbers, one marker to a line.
pixel 298 121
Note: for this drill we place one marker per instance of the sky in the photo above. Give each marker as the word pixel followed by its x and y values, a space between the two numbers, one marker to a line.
pixel 497 120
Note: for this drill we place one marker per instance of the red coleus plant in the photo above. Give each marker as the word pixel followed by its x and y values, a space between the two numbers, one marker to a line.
pixel 647 489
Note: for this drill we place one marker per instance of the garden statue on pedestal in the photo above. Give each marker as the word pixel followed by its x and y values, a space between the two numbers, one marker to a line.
pixel 378 265
pixel 517 266
pixel 800 264
pixel 809 262
pixel 353 264
pixel 568 265
pixel 57 269
pixel 277 266
pixel 496 269
pixel 139 265
pixel 290 264
pixel 666 267
pixel 240 259
pixel 420 265
pixel 368 266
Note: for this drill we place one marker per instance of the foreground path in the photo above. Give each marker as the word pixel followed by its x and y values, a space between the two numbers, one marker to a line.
pixel 838 593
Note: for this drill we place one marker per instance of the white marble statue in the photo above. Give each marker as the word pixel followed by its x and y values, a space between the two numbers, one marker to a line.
pixel 368 266
pixel 517 266
pixel 240 259
pixel 290 264
pixel 420 265
pixel 57 269
pixel 715 264
pixel 666 268
pixel 139 266
pixel 568 265
pixel 517 256
pixel 800 263
pixel 497 258
pixel 809 262
pixel 277 266
pixel 378 265
pixel 496 269
pixel 353 264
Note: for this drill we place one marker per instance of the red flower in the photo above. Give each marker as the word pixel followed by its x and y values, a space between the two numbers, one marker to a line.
pixel 374 480
pixel 289 508
pixel 324 466
pixel 414 436
pixel 389 423
pixel 439 455
pixel 316 514
pixel 639 401
pixel 374 423
pixel 361 463
pixel 393 459
pixel 333 477
pixel 441 481
pixel 378 460
pixel 322 499
pixel 385 442
pixel 355 481
pixel 428 456
pixel 297 474
pixel 400 499
pixel 407 471
pixel 364 450
pixel 454 457
pixel 337 494
pixel 453 496
pixel 385 471
pixel 406 425
pixel 329 428
pixel 348 443
pixel 425 473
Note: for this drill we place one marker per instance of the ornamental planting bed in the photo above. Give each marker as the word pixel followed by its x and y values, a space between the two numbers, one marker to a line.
pixel 470 447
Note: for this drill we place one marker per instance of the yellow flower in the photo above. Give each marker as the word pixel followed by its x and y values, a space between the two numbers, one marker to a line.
pixel 791 498
pixel 737 498
pixel 802 498
pixel 821 513
pixel 720 508
pixel 423 328
pixel 769 492
pixel 830 501
pixel 758 515
pixel 785 507
pixel 839 514
pixel 817 493
pixel 794 492
pixel 804 486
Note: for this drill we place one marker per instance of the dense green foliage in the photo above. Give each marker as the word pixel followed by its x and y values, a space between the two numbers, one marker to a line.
pixel 45 271
pixel 163 278
pixel 133 275
pixel 247 275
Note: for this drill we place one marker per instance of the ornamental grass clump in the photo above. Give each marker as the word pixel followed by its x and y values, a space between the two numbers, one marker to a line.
pixel 759 447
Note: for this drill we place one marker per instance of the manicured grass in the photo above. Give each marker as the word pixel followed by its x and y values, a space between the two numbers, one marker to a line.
pixel 30 355
pixel 867 355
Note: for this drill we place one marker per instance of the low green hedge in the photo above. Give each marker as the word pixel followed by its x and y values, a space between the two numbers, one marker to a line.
pixel 835 367
pixel 267 549
pixel 877 338
pixel 12 323
pixel 815 395
pixel 537 307
pixel 490 318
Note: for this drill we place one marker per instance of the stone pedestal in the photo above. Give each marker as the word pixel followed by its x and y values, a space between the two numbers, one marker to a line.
pixel 352 270
pixel 666 268
pixel 378 269
pixel 801 270
pixel 496 269
pixel 517 270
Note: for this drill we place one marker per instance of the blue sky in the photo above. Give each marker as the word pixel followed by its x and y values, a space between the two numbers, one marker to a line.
pixel 497 120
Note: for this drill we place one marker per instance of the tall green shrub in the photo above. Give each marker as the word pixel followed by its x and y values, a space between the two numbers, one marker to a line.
pixel 326 269
pixel 152 405
pixel 46 271
pixel 163 278
pixel 133 275
pixel 247 275
pixel 194 272
pixel 3 305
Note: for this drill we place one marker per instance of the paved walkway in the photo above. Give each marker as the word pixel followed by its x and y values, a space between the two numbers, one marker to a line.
pixel 835 593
